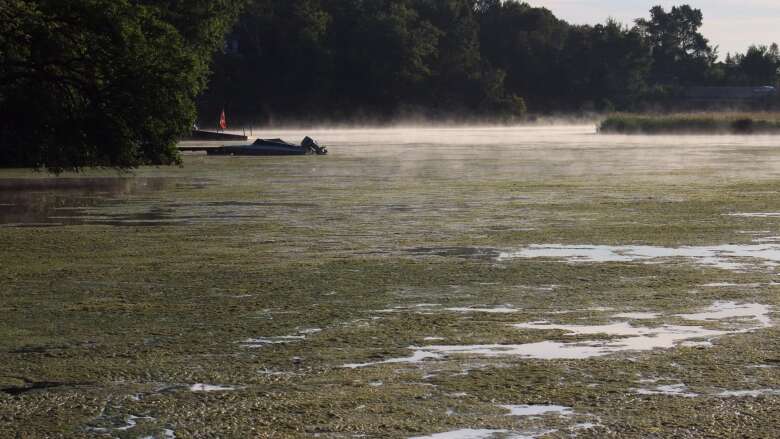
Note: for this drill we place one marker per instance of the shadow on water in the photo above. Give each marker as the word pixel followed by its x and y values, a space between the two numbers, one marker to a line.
pixel 66 201
pixel 31 386
pixel 48 202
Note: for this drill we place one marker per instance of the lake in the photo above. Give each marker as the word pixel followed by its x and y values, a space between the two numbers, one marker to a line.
pixel 458 282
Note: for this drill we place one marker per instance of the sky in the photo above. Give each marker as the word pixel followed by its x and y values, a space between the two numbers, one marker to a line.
pixel 732 25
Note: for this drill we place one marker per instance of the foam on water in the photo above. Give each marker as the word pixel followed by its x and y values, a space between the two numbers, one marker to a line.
pixel 727 257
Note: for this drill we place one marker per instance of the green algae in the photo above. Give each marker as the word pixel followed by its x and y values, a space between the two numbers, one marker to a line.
pixel 126 318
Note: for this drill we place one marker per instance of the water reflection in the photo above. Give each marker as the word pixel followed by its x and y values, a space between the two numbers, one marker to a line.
pixel 66 201
pixel 50 202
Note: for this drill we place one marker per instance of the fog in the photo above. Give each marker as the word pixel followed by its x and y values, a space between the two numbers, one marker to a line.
pixel 543 149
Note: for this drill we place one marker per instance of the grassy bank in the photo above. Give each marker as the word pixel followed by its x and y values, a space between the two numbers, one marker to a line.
pixel 692 123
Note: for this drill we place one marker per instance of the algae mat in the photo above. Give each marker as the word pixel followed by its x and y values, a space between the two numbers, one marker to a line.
pixel 418 282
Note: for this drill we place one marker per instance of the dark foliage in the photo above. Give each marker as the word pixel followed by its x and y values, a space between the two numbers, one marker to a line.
pixel 102 82
pixel 113 82
pixel 380 59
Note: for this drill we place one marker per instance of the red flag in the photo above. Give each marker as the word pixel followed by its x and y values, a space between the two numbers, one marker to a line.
pixel 223 120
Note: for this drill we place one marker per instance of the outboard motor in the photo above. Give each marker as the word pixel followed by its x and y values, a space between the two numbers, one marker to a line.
pixel 312 146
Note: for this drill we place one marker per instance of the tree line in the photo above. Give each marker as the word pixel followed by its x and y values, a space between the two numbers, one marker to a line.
pixel 374 60
pixel 116 83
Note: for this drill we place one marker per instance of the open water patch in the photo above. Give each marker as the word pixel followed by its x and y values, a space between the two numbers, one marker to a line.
pixel 638 315
pixel 680 390
pixel 732 310
pixel 417 357
pixel 727 256
pixel 106 424
pixel 506 309
pixel 265 341
pixel 624 337
pixel 537 410
pixel 755 215
pixel 748 393
pixel 200 387
pixel 471 433
pixel 260 342
pixel 132 422
pixel 429 308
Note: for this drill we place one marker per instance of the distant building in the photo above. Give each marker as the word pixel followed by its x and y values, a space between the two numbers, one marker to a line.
pixel 729 94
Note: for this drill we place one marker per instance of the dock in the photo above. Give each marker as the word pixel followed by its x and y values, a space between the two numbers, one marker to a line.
pixel 211 136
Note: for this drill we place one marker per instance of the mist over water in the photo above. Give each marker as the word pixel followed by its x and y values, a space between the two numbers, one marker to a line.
pixel 439 156
pixel 550 149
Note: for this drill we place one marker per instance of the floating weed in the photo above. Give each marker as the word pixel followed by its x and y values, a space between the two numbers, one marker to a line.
pixel 241 248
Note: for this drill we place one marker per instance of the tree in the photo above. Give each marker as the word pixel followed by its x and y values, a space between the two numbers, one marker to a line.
pixel 760 64
pixel 526 43
pixel 606 66
pixel 95 83
pixel 279 62
pixel 314 60
pixel 681 54
pixel 383 52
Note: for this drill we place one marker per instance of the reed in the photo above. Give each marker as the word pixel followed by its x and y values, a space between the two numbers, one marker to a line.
pixel 692 123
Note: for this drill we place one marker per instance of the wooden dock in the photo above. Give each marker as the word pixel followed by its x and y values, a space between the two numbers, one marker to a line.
pixel 212 136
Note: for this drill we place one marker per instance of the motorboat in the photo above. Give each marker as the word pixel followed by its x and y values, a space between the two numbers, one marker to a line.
pixel 262 147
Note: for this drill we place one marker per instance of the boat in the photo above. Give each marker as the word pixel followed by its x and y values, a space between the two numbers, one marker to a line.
pixel 271 147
